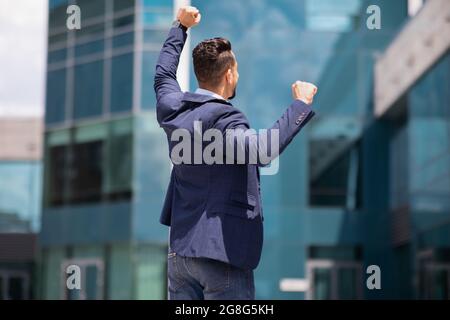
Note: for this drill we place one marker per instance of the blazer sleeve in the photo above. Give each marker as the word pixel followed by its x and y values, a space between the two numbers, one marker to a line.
pixel 245 141
pixel 165 81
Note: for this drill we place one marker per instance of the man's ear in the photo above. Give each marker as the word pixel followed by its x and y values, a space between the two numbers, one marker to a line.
pixel 229 76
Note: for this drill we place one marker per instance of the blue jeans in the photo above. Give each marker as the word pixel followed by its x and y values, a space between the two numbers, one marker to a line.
pixel 207 279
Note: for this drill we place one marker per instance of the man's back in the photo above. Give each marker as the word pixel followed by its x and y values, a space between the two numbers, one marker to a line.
pixel 214 210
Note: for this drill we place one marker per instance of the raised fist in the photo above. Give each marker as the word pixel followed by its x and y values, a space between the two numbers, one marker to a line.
pixel 303 91
pixel 189 16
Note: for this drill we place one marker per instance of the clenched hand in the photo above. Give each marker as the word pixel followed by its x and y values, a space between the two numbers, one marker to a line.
pixel 303 91
pixel 189 16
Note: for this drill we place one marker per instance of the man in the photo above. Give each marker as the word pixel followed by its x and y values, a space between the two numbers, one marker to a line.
pixel 214 210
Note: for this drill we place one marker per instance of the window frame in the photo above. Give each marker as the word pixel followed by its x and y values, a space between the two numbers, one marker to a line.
pixel 83 263
pixel 5 275
pixel 334 266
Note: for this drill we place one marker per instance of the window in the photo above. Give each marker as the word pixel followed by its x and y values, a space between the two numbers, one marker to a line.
pixel 334 174
pixel 58 39
pixel 157 3
pixel 120 5
pixel 89 48
pixel 88 90
pixel 120 150
pixel 14 285
pixel 57 14
pixel 121 22
pixel 56 96
pixel 91 279
pixel 157 13
pixel 156 37
pixel 121 83
pixel 56 3
pixel 56 167
pixel 334 273
pixel 157 19
pixel 87 162
pixel 56 55
pixel 148 99
pixel 91 9
pixel 87 172
pixel 90 163
pixel 90 31
pixel 20 195
pixel 429 139
pixel 434 274
pixel 123 40
pixel 398 160
pixel 58 158
pixel 328 15
pixel 151 272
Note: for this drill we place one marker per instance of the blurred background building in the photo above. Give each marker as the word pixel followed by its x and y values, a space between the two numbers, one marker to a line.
pixel 20 204
pixel 366 183
pixel 105 162
pixel 412 105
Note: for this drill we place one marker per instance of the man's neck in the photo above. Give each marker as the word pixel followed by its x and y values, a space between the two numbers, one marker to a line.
pixel 213 91
pixel 219 91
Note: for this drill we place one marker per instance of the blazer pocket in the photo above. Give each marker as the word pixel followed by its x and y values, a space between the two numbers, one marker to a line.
pixel 238 204
pixel 242 205
pixel 244 200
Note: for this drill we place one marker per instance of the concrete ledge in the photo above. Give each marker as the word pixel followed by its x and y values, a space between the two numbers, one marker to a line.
pixel 418 46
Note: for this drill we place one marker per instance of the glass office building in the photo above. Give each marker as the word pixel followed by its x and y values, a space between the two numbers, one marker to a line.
pixel 429 183
pixel 20 203
pixel 20 174
pixel 329 210
pixel 105 172
pixel 322 226
pixel 419 161
pixel 20 195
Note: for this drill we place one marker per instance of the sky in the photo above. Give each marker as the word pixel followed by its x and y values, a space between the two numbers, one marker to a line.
pixel 23 34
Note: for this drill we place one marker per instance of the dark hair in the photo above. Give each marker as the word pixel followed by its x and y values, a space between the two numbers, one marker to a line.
pixel 212 58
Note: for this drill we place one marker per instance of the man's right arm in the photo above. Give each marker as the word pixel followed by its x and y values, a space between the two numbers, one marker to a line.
pixel 235 128
pixel 166 67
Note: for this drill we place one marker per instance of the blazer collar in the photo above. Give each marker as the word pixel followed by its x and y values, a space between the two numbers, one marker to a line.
pixel 201 98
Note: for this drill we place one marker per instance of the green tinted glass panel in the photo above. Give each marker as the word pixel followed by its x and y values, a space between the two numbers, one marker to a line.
pixel 123 40
pixel 56 96
pixel 121 83
pixel 120 5
pixel 88 91
pixel 347 282
pixel 91 133
pixel 89 48
pixel 157 19
pixel 322 284
pixel 91 9
pixel 124 21
pixel 91 287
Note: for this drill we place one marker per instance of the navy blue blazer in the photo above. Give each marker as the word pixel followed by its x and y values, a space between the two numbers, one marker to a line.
pixel 215 210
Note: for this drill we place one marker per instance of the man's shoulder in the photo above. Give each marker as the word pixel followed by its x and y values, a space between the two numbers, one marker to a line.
pixel 170 98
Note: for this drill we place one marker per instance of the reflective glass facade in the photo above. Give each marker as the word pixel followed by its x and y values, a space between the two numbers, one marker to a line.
pixel 345 184
pixel 103 181
pixel 318 198
pixel 20 196
pixel 427 188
